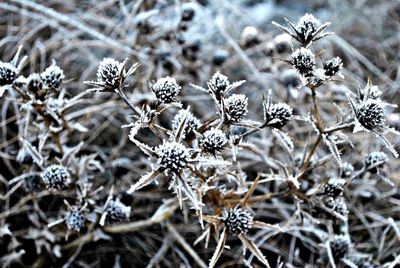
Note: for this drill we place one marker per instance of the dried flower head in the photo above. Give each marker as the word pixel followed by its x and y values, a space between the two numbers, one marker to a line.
pixel 250 37
pixel 277 115
pixel 291 78
pixel 218 84
pixel 214 140
pixel 333 66
pixel 236 107
pixel 307 27
pixel 282 43
pixel 52 77
pixel 375 160
pixel 237 220
pixel 166 89
pixel 75 220
pixel 333 187
pixel 339 247
pixel 172 156
pixel 191 124
pixel 371 114
pixel 109 72
pixel 34 83
pixel 33 183
pixel 188 11
pixel 117 211
pixel 8 73
pixel 303 60
pixel 56 177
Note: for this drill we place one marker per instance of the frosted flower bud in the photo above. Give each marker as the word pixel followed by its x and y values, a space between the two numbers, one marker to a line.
pixel 8 73
pixel 371 114
pixel 109 72
pixel 250 36
pixel 333 187
pixel 282 43
pixel 56 177
pixel 307 27
pixel 237 220
pixel 236 107
pixel 219 83
pixel 192 123
pixel 220 56
pixel 333 66
pixel 52 77
pixel 75 220
pixel 303 60
pixel 277 115
pixel 172 156
pixel 33 183
pixel 166 89
pixel 214 140
pixel 117 211
pixel 339 247
pixel 290 78
pixel 346 170
pixel 375 160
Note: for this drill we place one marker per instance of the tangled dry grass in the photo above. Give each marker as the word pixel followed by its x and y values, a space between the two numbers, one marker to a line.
pixel 199 133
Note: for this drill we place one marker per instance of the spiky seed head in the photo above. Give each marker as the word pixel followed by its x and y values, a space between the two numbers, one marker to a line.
pixel 303 60
pixel 339 246
pixel 333 187
pixel 371 114
pixel 346 170
pixel 218 84
pixel 375 160
pixel 166 89
pixel 34 83
pixel 172 156
pixel 117 211
pixel 282 43
pixel 250 37
pixel 307 27
pixel 192 123
pixel 291 78
pixel 277 115
pixel 338 205
pixel 52 77
pixel 56 177
pixel 214 140
pixel 75 220
pixel 333 66
pixel 237 220
pixel 33 183
pixel 8 73
pixel 109 72
pixel 236 107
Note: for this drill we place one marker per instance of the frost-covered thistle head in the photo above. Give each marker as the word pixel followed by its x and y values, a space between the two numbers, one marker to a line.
pixel 375 160
pixel 214 140
pixel 172 156
pixel 192 123
pixel 250 37
pixel 339 247
pixel 307 27
pixel 109 72
pixel 56 177
pixel 34 83
pixel 277 115
pixel 237 220
pixel 290 78
pixel 371 114
pixel 333 187
pixel 333 66
pixel 303 60
pixel 8 73
pixel 117 211
pixel 75 220
pixel 236 107
pixel 52 77
pixel 166 89
pixel 218 84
